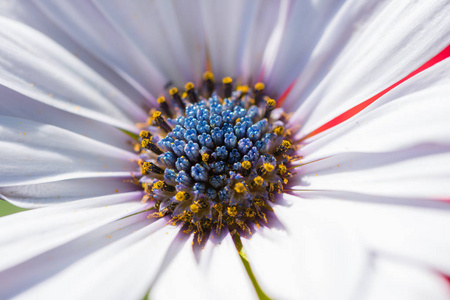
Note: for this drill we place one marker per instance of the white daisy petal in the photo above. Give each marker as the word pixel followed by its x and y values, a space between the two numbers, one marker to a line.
pixel 182 278
pixel 43 267
pixel 28 13
pixel 395 39
pixel 107 42
pixel 409 233
pixel 139 254
pixel 399 281
pixel 31 233
pixel 260 31
pixel 392 150
pixel 14 104
pixel 53 76
pixel 224 37
pixel 34 153
pixel 50 193
pixel 316 257
pixel 136 19
pixel 224 271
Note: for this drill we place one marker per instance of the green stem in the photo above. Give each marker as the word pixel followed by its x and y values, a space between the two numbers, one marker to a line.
pixel 238 243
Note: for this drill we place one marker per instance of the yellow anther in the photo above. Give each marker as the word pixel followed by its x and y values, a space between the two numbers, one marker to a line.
pixel 161 99
pixel 194 208
pixel 249 213
pixel 158 185
pixel 271 102
pixel 145 142
pixel 238 120
pixel 232 211
pixel 282 169
pixel 278 130
pixel 189 86
pixel 243 89
pixel 268 167
pixel 181 196
pixel 208 75
pixel 227 80
pixel 156 114
pixel 286 144
pixel 173 91
pixel 144 134
pixel 184 95
pixel 258 180
pixel 239 187
pixel 246 164
pixel 205 157
pixel 145 166
pixel 259 86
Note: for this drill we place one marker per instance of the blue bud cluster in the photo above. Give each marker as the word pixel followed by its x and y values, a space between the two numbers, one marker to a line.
pixel 216 162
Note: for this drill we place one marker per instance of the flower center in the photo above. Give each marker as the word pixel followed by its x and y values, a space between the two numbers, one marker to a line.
pixel 213 162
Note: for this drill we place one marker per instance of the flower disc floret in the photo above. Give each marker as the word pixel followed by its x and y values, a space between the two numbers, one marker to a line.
pixel 215 158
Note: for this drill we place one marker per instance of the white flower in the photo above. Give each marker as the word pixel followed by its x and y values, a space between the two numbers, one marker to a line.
pixel 368 216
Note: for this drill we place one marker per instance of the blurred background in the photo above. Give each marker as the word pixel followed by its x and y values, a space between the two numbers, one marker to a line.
pixel 7 209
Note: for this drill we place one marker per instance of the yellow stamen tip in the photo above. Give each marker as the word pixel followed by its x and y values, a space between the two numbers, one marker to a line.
pixel 158 185
pixel 181 196
pixel 194 208
pixel 173 91
pixel 144 134
pixel 189 86
pixel 161 100
pixel 208 75
pixel 286 144
pixel 239 187
pixel 268 167
pixel 146 165
pixel 232 211
pixel 145 142
pixel 271 102
pixel 246 164
pixel 243 89
pixel 205 157
pixel 156 114
pixel 279 130
pixel 259 86
pixel 259 180
pixel 227 80
pixel 282 169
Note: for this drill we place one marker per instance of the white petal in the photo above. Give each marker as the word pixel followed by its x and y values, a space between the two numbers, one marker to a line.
pixel 51 75
pixel 132 261
pixel 143 24
pixel 410 233
pixel 190 23
pixel 316 257
pixel 401 148
pixel 397 281
pixel 34 153
pixel 260 31
pixel 30 233
pixel 225 37
pixel 24 276
pixel 224 271
pixel 14 104
pixel 50 193
pixel 108 42
pixel 183 279
pixel 29 14
pixel 394 39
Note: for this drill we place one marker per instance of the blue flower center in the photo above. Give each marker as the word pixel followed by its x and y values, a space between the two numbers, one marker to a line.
pixel 214 161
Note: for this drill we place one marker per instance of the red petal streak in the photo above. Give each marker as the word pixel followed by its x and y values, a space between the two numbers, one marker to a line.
pixel 358 108
pixel 283 96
